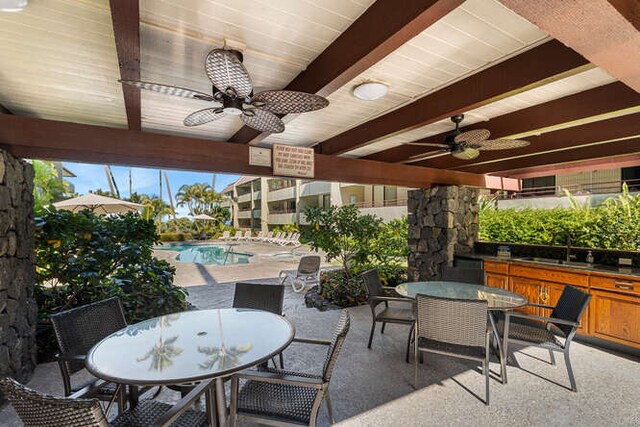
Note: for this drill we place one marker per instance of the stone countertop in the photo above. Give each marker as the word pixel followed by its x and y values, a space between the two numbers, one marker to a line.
pixel 596 268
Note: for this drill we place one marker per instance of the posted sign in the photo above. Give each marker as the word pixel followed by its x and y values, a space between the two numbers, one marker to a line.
pixel 293 161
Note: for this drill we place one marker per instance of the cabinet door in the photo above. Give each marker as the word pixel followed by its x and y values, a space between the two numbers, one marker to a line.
pixel 554 290
pixel 532 290
pixel 496 280
pixel 615 317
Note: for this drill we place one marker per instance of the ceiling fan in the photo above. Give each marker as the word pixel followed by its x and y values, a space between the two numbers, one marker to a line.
pixel 465 145
pixel 233 95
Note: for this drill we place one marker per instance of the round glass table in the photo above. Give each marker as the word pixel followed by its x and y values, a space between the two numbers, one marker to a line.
pixel 497 300
pixel 190 346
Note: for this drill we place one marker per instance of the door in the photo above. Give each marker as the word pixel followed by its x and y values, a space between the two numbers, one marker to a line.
pixel 532 290
pixel 496 280
pixel 615 317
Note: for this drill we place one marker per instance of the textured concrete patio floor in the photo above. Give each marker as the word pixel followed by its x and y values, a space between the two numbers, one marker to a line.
pixel 373 387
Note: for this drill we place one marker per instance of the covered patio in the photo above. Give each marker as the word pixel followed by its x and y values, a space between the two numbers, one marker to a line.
pixel 446 97
pixel 374 387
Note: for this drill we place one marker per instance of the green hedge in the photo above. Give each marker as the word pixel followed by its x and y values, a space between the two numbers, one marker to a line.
pixel 175 237
pixel 614 224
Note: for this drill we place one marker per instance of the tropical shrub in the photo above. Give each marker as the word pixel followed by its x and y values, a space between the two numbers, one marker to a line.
pixel 614 224
pixel 342 290
pixel 48 185
pixel 175 237
pixel 287 228
pixel 82 258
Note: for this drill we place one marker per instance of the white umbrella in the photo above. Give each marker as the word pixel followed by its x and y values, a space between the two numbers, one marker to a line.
pixel 97 204
pixel 204 216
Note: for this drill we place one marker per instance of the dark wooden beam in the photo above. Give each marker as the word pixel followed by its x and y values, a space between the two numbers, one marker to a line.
pixel 627 161
pixel 610 149
pixel 4 110
pixel 601 100
pixel 540 64
pixel 37 138
pixel 561 145
pixel 606 32
pixel 382 28
pixel 125 15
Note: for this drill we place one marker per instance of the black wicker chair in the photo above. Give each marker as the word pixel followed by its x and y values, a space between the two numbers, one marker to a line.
pixel 40 410
pixel 278 397
pixel 258 296
pixel 379 294
pixel 465 275
pixel 453 327
pixel 77 331
pixel 553 333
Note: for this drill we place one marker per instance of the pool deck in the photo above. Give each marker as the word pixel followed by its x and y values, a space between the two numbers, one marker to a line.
pixel 267 261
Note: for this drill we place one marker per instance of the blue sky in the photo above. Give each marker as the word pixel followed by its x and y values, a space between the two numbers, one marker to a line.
pixel 92 177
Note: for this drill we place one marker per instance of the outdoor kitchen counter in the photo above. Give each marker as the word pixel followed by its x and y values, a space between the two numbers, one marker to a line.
pixel 614 311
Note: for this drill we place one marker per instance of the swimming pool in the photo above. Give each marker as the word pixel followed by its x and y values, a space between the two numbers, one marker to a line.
pixel 207 254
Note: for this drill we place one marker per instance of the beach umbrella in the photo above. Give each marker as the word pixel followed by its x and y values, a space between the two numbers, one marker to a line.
pixel 97 204
pixel 204 217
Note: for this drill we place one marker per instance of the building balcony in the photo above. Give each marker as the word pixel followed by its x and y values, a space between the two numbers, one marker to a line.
pixel 246 214
pixel 280 218
pixel 282 194
pixel 315 188
pixel 244 198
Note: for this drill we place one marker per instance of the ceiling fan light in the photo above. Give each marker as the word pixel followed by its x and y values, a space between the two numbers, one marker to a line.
pixel 466 154
pixel 12 5
pixel 370 91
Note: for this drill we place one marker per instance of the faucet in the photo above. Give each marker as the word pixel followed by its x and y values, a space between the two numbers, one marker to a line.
pixel 568 248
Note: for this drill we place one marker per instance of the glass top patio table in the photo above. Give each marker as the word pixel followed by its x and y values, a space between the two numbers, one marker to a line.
pixel 189 346
pixel 497 299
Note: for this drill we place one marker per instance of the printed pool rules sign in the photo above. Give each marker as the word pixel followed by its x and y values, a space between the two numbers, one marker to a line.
pixel 293 161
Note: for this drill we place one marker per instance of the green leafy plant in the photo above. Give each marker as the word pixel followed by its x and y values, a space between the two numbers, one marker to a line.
pixel 342 233
pixel 83 258
pixel 48 185
pixel 175 237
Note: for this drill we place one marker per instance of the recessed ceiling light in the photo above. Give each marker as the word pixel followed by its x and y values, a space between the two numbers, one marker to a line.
pixel 12 5
pixel 370 91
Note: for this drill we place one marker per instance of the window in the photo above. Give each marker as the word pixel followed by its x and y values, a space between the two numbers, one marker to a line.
pixel 632 177
pixel 539 186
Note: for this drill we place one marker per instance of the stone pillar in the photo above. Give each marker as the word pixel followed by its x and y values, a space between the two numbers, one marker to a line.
pixel 18 312
pixel 443 222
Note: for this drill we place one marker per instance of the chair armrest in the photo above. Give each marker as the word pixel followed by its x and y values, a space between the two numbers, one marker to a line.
pixel 276 378
pixel 86 391
pixel 311 341
pixel 183 404
pixel 544 319
pixel 541 306
pixel 62 357
pixel 396 299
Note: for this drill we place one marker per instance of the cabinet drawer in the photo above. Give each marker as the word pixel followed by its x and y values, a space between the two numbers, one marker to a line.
pixel 618 284
pixel 547 274
pixel 615 317
pixel 495 267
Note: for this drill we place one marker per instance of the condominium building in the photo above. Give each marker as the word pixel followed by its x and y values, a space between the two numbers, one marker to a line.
pixel 263 203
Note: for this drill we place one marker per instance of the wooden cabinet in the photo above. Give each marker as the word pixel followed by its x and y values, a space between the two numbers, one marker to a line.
pixel 496 280
pixel 615 317
pixel 614 311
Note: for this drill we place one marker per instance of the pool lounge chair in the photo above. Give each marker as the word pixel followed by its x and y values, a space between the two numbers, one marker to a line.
pixel 283 238
pixel 247 235
pixel 294 240
pixel 260 236
pixel 238 236
pixel 288 239
pixel 267 236
pixel 276 238
pixel 308 273
pixel 225 235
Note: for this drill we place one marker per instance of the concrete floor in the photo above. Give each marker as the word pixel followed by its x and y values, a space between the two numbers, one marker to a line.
pixel 374 387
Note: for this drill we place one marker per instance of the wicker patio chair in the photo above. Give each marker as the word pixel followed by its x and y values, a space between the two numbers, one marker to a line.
pixel 40 410
pixel 278 397
pixel 554 333
pixel 77 331
pixel 308 273
pixel 260 297
pixel 453 327
pixel 378 294
pixel 465 275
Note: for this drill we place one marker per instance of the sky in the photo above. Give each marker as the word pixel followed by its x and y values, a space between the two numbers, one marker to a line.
pixel 144 181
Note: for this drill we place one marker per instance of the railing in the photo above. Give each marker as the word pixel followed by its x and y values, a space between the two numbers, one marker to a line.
pixel 575 189
pixel 280 186
pixel 382 204
pixel 283 211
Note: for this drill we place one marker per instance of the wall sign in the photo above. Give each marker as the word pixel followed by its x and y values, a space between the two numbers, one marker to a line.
pixel 289 160
pixel 260 156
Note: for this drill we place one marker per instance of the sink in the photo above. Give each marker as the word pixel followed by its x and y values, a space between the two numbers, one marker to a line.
pixel 571 264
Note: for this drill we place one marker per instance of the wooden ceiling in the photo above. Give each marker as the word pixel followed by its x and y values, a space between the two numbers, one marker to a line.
pixel 518 68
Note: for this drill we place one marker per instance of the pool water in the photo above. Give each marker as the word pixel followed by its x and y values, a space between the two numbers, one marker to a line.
pixel 207 254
